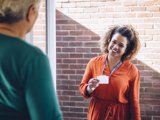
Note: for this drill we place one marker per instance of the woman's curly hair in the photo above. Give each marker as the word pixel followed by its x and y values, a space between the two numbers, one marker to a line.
pixel 133 43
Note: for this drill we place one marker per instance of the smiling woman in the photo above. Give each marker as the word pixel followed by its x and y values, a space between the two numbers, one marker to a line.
pixel 117 99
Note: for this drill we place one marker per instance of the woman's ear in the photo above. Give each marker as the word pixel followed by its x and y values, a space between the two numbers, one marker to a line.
pixel 31 13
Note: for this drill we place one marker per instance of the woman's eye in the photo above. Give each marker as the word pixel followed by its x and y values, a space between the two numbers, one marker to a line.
pixel 121 45
pixel 114 41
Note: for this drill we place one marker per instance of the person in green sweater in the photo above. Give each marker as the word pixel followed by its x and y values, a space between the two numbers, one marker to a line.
pixel 26 84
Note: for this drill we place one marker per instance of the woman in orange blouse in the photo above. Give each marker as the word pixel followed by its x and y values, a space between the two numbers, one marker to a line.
pixel 119 98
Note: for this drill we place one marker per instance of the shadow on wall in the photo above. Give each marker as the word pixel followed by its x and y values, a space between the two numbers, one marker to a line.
pixel 76 45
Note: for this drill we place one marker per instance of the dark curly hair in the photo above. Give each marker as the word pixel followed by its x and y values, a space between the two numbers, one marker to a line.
pixel 133 43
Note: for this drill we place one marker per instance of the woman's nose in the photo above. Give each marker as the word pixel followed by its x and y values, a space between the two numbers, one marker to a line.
pixel 115 46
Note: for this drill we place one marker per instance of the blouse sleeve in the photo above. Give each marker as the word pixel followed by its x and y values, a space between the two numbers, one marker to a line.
pixel 86 77
pixel 134 98
pixel 41 98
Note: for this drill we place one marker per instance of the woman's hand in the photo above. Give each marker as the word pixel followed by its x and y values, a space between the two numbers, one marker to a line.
pixel 92 84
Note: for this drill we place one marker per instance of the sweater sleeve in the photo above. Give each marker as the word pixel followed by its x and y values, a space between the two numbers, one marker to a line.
pixel 134 98
pixel 40 95
pixel 86 77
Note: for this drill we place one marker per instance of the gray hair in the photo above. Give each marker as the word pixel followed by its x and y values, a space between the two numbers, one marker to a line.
pixel 13 11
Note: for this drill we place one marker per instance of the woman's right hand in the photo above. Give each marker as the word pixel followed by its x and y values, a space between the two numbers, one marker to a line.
pixel 92 84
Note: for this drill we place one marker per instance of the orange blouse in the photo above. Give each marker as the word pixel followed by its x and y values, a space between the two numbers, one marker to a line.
pixel 118 100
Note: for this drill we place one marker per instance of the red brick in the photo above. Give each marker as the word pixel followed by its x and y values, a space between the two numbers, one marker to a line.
pixel 82 115
pixel 68 16
pixel 98 15
pixel 75 44
pixel 76 55
pixel 80 72
pixel 95 50
pixel 157 62
pixel 152 79
pixel 89 33
pixel 152 32
pixel 68 49
pixel 68 93
pixel 105 21
pixel 83 4
pixel 61 44
pixel 76 10
pixel 144 26
pixel 39 33
pixel 61 21
pixel 76 67
pixel 68 71
pixel 137 20
pixel 156 14
pixel 76 109
pixel 64 109
pixel 130 3
pixel 146 95
pixel 40 44
pixel 69 38
pixel 62 87
pixel 82 104
pixel 83 38
pixel 144 14
pixel 90 55
pixel 113 15
pixel 138 8
pixel 128 15
pixel 153 8
pixel 152 90
pixel 90 44
pixel 76 99
pixel 146 3
pixel 156 84
pixel 152 20
pixel 83 61
pixel 146 50
pixel 155 107
pixel 61 33
pixel 153 67
pixel 73 87
pixel 146 117
pixel 76 77
pixel 58 50
pixel 152 102
pixel 121 9
pixel 58 72
pixel 58 38
pixel 69 104
pixel 82 49
pixel 145 73
pixel 69 114
pixel 63 98
pixel 90 10
pixel 153 44
pixel 69 60
pixel 91 21
pixel 68 82
pixel 81 27
pixel 58 60
pixel 141 67
pixel 156 74
pixel 153 113
pixel 146 107
pixel 76 32
pixel 68 5
pixel 106 9
pixel 97 4
pixel 156 96
pixel 145 37
pixel 58 27
pixel 62 66
pixel 62 76
pixel 83 16
pixel 68 27
pixel 113 3
pixel 141 32
pixel 156 118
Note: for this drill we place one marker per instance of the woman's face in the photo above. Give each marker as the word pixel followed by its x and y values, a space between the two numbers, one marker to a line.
pixel 117 46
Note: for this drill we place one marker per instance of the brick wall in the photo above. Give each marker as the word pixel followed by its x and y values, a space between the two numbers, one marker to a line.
pixel 80 24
